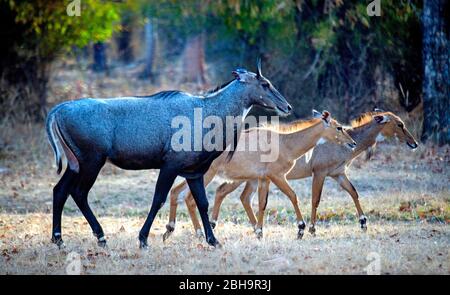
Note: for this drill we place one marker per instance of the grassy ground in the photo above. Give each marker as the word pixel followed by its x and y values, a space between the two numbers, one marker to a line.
pixel 405 194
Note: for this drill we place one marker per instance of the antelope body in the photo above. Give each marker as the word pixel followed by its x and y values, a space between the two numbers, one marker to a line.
pixel 135 133
pixel 295 139
pixel 332 160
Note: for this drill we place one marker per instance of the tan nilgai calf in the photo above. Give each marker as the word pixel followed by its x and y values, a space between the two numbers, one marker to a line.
pixel 330 160
pixel 295 139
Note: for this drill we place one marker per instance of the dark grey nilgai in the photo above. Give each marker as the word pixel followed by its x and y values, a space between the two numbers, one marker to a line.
pixel 135 133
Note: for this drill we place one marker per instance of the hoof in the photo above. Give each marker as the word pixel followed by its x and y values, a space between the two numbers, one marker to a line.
pixel 363 223
pixel 169 230
pixel 213 224
pixel 301 229
pixel 259 233
pixel 166 235
pixel 58 241
pixel 102 242
pixel 143 245
pixel 312 231
pixel 213 242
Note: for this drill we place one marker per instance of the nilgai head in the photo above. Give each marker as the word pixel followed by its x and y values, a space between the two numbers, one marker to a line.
pixel 334 131
pixel 262 92
pixel 393 126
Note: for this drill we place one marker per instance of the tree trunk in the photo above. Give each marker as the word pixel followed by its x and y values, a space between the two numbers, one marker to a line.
pixel 194 60
pixel 99 57
pixel 124 40
pixel 150 42
pixel 436 84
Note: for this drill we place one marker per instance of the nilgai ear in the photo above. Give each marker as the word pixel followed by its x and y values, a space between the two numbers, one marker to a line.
pixel 316 114
pixel 381 119
pixel 235 75
pixel 326 116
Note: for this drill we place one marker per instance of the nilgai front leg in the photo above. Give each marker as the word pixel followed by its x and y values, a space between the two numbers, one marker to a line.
pixel 263 193
pixel 221 192
pixel 246 200
pixel 174 193
pixel 197 188
pixel 348 186
pixel 284 186
pixel 317 186
pixel 183 188
pixel 163 185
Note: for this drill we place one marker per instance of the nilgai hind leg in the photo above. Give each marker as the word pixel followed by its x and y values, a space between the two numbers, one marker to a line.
pixel 317 186
pixel 78 185
pixel 60 194
pixel 221 192
pixel 263 193
pixel 345 183
pixel 163 184
pixel 284 186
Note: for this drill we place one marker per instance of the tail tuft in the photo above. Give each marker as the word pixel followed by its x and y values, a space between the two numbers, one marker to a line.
pixel 53 139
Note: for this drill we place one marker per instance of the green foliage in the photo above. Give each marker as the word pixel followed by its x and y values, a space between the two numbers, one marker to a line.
pixel 247 17
pixel 52 30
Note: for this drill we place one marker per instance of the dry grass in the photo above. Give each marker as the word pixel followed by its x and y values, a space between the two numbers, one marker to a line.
pixel 407 202
pixel 405 194
pixel 403 248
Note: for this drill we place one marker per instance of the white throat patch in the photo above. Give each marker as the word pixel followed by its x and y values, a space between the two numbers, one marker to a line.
pixel 308 155
pixel 321 141
pixel 379 138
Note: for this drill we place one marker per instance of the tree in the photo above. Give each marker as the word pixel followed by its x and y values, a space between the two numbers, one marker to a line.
pixel 46 30
pixel 100 62
pixel 194 60
pixel 150 46
pixel 436 83
pixel 124 39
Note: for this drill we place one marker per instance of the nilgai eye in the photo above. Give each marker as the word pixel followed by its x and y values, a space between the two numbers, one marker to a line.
pixel 400 125
pixel 339 128
pixel 265 85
